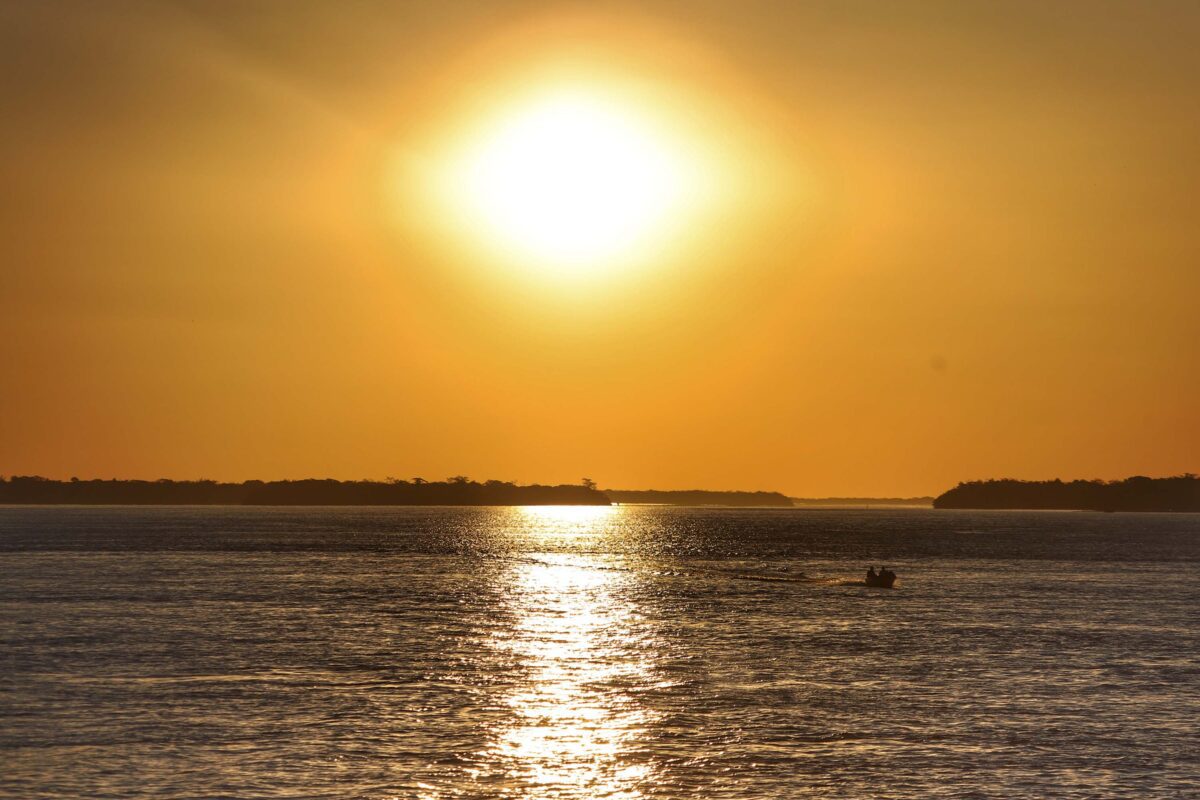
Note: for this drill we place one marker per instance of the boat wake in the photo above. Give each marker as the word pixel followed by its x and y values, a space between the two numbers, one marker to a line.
pixel 700 571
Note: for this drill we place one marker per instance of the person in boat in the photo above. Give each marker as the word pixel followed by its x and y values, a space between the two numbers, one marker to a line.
pixel 871 576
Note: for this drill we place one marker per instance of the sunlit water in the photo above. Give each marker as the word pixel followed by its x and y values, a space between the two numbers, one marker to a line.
pixel 597 653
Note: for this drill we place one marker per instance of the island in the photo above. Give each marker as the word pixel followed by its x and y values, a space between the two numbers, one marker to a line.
pixel 1139 493
pixel 457 491
pixel 698 497
pixel 863 502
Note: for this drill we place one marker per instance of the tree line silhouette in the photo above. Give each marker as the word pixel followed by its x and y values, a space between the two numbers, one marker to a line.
pixel 458 490
pixel 1139 493
pixel 698 497
pixel 1180 493
pixel 862 501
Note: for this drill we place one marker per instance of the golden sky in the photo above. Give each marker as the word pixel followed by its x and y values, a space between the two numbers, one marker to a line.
pixel 837 248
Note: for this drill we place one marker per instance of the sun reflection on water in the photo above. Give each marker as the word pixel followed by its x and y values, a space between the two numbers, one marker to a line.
pixel 551 522
pixel 585 650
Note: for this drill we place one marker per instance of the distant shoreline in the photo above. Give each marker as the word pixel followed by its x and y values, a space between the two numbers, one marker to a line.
pixel 699 497
pixel 859 502
pixel 1176 494
pixel 458 491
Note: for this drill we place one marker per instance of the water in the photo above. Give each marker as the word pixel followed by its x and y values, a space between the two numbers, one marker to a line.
pixel 596 652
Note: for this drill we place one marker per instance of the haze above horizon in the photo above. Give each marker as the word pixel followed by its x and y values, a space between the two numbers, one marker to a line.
pixel 828 249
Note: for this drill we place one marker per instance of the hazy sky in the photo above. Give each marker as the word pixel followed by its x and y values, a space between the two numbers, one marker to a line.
pixel 966 243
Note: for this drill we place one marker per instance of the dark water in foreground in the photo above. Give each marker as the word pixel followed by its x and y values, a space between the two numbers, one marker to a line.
pixel 598 653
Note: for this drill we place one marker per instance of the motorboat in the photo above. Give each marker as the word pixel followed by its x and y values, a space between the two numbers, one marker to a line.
pixel 883 580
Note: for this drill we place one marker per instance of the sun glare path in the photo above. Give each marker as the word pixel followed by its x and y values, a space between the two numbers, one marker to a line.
pixel 574 724
pixel 571 733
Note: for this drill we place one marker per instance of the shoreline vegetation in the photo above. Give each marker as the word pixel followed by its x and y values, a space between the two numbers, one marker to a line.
pixel 1139 493
pixel 698 497
pixel 860 502
pixel 456 491
pixel 1180 493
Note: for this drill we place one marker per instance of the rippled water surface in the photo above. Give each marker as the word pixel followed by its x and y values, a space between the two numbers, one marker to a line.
pixel 597 652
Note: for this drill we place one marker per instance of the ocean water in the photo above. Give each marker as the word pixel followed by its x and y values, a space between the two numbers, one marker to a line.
pixel 597 653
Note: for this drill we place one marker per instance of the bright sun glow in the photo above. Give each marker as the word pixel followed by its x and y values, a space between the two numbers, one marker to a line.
pixel 573 182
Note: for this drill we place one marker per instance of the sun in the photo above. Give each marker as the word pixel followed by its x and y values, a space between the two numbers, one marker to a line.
pixel 573 181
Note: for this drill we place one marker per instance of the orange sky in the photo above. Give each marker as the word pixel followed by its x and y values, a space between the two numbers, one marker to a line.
pixel 965 244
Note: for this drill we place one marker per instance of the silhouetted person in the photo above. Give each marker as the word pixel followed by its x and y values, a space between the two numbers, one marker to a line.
pixel 871 576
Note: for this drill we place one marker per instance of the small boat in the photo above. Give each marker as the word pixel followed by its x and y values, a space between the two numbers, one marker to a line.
pixel 883 580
